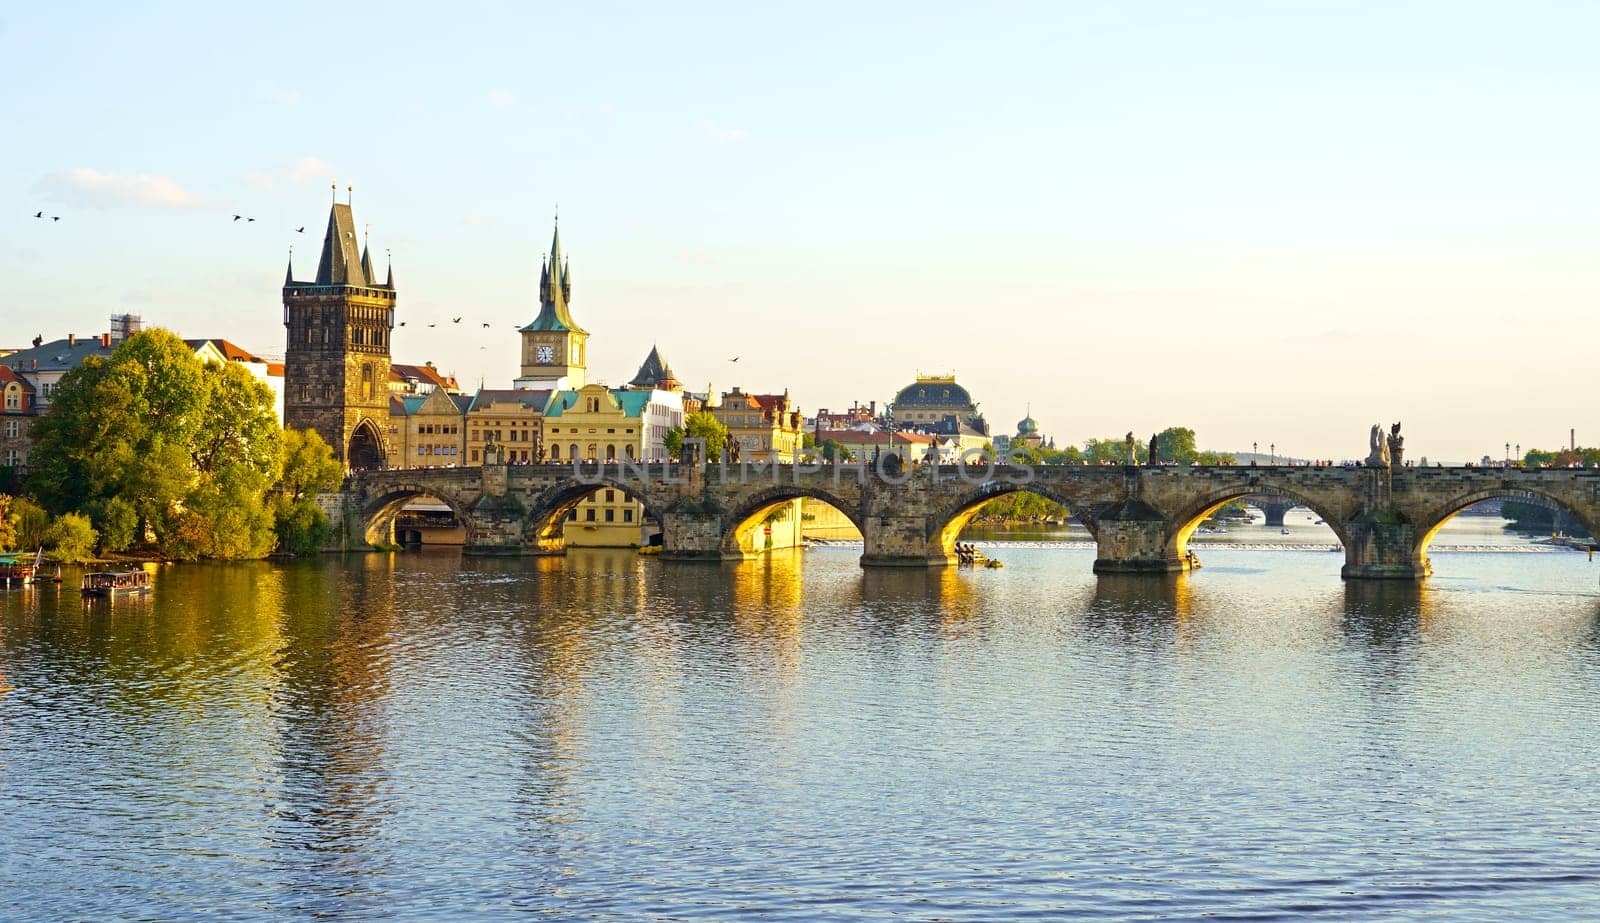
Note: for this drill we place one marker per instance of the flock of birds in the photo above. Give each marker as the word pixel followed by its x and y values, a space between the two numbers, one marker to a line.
pixel 40 215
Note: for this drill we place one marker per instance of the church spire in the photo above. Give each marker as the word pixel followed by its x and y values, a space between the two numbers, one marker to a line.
pixel 555 290
pixel 288 276
pixel 340 263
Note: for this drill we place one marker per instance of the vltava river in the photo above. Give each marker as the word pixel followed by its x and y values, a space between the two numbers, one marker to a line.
pixel 608 737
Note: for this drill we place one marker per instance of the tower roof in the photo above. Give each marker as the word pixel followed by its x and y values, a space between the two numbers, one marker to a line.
pixel 555 289
pixel 341 259
pixel 653 372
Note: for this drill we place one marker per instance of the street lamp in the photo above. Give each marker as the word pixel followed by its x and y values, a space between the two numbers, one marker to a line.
pixel 1255 448
pixel 1508 455
pixel 1274 448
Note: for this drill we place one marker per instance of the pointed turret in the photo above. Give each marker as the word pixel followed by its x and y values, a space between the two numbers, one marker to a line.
pixel 366 262
pixel 389 282
pixel 288 276
pixel 654 373
pixel 555 288
pixel 340 263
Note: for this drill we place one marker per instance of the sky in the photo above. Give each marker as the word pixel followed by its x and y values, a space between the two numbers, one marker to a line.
pixel 1273 222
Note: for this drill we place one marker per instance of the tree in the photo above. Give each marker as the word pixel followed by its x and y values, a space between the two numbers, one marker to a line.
pixel 8 531
pixel 71 538
pixel 699 425
pixel 155 446
pixel 26 520
pixel 308 468
pixel 834 450
pixel 1175 444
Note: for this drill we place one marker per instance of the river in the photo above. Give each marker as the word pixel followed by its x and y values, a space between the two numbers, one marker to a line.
pixel 609 737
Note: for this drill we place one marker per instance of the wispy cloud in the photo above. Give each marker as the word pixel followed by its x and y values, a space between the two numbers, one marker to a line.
pixel 87 187
pixel 502 98
pixel 279 96
pixel 302 171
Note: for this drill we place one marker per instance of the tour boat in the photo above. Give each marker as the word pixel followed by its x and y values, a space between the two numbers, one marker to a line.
pixel 116 582
pixel 14 571
pixel 1283 531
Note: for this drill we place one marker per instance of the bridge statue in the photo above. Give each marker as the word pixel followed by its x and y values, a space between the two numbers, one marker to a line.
pixel 1133 455
pixel 1397 446
pixel 1155 440
pixel 1379 456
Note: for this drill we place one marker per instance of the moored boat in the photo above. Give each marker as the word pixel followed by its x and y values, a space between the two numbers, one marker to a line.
pixel 116 582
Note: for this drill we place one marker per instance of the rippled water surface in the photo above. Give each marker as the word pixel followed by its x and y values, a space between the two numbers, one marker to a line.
pixel 608 737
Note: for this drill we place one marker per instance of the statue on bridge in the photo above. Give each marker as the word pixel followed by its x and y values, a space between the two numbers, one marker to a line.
pixel 1155 439
pixel 1379 456
pixel 1397 446
pixel 1133 453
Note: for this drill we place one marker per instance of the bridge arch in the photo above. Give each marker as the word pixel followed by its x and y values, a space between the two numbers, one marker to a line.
pixel 946 525
pixel 551 509
pixel 1188 518
pixel 1430 525
pixel 744 525
pixel 379 513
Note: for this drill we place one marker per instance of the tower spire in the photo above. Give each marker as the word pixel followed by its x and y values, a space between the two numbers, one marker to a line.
pixel 288 276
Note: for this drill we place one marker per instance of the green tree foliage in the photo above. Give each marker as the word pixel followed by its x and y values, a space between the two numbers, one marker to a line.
pixel 1022 506
pixel 25 521
pixel 71 538
pixel 157 447
pixel 1563 458
pixel 8 530
pixel 834 450
pixel 700 425
pixel 308 469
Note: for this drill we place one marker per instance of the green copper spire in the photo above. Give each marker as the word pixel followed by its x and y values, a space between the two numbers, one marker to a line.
pixel 555 289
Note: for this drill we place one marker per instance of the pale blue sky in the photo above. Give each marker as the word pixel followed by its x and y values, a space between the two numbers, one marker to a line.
pixel 1274 222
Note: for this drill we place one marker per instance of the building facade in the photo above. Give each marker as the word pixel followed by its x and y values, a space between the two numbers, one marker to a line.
pixel 510 420
pixel 336 361
pixel 427 430
pixel 765 427
pixel 596 423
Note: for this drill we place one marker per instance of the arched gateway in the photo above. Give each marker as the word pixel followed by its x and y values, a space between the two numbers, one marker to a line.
pixel 1141 518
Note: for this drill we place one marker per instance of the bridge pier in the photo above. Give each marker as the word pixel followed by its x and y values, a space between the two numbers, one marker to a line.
pixel 691 535
pixel 1133 537
pixel 890 540
pixel 1274 511
pixel 1382 546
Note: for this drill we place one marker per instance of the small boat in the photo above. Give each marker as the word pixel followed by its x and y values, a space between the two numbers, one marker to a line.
pixel 15 571
pixel 1319 523
pixel 1283 531
pixel 116 582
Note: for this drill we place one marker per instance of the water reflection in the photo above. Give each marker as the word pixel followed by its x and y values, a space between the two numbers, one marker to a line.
pixel 1154 607
pixel 1386 612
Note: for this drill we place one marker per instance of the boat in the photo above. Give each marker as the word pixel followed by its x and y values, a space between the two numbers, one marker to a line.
pixel 1283 531
pixel 116 582
pixel 16 571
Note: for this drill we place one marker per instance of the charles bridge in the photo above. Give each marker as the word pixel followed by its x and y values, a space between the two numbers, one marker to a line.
pixel 1140 517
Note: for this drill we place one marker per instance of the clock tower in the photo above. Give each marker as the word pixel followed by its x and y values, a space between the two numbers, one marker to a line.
pixel 553 345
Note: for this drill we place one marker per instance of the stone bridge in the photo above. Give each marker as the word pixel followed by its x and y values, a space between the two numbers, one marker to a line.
pixel 1141 518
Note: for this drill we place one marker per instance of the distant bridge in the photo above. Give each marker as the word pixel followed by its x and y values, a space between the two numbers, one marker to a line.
pixel 1141 518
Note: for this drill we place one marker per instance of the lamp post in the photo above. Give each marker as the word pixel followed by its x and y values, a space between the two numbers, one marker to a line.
pixel 1274 448
pixel 1255 448
pixel 1508 455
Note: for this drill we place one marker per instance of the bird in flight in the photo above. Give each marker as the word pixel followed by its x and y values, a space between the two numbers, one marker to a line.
pixel 402 323
pixel 486 326
pixel 38 214
pixel 55 217
pixel 433 325
pixel 734 359
pixel 455 320
pixel 237 217
pixel 300 230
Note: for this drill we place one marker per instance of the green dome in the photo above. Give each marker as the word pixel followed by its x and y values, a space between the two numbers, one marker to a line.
pixel 1027 427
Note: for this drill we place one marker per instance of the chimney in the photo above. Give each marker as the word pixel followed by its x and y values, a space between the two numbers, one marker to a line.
pixel 36 364
pixel 72 339
pixel 105 341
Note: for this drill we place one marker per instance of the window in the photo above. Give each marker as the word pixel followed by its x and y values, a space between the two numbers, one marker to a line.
pixel 572 516
pixel 611 496
pixel 627 515
pixel 589 514
pixel 12 459
pixel 474 454
pixel 11 428
pixel 611 515
pixel 555 452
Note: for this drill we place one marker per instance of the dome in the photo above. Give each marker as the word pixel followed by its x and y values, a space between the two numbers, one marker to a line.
pixel 1027 426
pixel 933 392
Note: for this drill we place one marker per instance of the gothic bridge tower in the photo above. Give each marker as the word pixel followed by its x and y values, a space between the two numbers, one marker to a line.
pixel 553 344
pixel 336 366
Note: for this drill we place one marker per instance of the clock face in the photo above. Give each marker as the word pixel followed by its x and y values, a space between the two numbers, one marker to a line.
pixel 546 354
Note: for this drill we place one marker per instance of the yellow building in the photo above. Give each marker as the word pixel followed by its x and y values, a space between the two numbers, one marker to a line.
pixel 427 430
pixel 766 427
pixel 512 420
pixel 596 423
